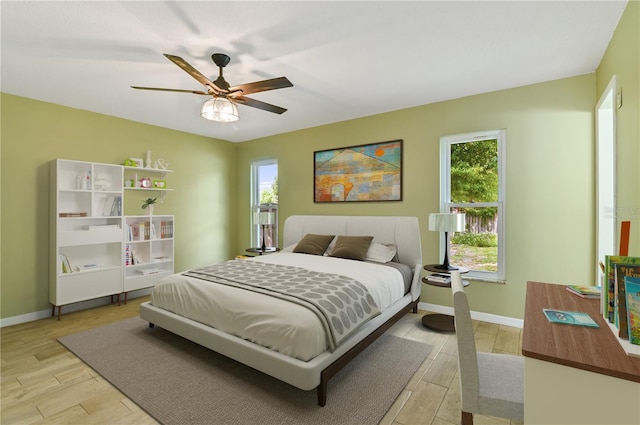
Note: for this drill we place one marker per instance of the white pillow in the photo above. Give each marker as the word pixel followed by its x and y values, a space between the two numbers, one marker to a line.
pixel 289 248
pixel 381 253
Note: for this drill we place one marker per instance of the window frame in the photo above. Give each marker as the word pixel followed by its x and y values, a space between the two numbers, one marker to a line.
pixel 606 200
pixel 256 231
pixel 445 195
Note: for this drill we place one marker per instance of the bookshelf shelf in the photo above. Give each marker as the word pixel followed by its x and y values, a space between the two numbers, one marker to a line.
pixel 629 348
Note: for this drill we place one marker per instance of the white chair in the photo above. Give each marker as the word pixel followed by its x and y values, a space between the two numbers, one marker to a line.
pixel 490 384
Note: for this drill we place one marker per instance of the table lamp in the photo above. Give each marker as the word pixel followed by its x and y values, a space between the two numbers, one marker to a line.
pixel 264 218
pixel 446 223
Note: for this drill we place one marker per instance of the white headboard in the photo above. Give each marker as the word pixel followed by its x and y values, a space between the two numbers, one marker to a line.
pixel 402 231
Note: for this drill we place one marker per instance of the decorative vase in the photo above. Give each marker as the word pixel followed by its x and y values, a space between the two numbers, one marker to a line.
pixel 150 209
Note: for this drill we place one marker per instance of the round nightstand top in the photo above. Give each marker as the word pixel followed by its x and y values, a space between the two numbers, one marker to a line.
pixel 261 251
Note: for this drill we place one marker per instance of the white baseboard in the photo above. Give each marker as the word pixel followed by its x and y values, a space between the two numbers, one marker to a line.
pixel 476 315
pixel 83 305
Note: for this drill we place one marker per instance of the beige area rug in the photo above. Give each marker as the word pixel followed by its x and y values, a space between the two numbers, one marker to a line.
pixel 179 382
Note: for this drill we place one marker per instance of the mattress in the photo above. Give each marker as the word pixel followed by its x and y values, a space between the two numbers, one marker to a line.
pixel 274 323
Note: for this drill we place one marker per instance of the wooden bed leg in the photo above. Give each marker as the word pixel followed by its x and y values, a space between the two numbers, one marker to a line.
pixel 466 418
pixel 322 392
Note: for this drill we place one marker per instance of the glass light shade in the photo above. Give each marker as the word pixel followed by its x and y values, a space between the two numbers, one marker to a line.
pixel 447 222
pixel 220 109
pixel 264 218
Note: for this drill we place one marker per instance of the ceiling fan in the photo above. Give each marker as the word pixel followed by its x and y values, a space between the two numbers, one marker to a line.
pixel 222 106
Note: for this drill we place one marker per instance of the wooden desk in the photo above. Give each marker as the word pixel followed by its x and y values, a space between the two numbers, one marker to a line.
pixel 575 374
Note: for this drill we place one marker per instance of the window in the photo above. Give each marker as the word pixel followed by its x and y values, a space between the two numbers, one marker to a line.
pixel 264 200
pixel 473 182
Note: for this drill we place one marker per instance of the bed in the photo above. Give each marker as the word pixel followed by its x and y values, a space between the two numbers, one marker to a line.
pixel 305 370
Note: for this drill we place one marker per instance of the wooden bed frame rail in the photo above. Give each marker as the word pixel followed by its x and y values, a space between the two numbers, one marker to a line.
pixel 341 362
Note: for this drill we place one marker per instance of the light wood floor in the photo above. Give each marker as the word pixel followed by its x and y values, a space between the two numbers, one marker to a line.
pixel 42 382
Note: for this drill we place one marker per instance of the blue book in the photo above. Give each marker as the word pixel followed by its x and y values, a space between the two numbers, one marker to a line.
pixel 632 292
pixel 570 318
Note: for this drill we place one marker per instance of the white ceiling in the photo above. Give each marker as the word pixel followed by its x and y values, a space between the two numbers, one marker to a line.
pixel 345 59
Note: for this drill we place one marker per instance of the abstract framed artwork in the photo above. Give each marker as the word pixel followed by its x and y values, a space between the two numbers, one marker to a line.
pixel 360 173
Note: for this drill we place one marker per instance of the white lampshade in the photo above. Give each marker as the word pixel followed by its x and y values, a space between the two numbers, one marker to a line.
pixel 264 217
pixel 447 222
pixel 220 109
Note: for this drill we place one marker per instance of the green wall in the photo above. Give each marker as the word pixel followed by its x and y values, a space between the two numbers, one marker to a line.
pixel 550 179
pixel 33 133
pixel 622 58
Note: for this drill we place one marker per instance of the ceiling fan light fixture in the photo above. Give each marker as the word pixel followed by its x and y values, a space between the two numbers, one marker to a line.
pixel 220 109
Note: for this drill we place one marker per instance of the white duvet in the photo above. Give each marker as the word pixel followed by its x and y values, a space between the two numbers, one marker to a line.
pixel 288 328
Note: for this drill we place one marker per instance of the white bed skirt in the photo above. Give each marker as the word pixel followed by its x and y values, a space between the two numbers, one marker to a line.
pixel 301 374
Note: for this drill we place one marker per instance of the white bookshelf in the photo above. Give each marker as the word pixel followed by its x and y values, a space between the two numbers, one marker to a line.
pixel 85 227
pixel 88 228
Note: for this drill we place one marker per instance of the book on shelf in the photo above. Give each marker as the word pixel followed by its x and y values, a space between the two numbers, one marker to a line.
pixel 592 292
pixel 86 267
pixel 632 292
pixel 147 272
pixel 103 227
pixel 135 259
pixel 127 255
pixel 64 264
pixel 576 318
pixel 617 267
pixel 439 278
pixel 116 206
pixel 72 214
pixel 108 205
pixel 166 229
pixel 623 271
pixel 138 231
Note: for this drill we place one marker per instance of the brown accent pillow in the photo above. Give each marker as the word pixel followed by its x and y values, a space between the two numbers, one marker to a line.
pixel 352 247
pixel 313 244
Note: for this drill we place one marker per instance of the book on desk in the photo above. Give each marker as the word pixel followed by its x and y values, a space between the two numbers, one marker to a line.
pixel 583 291
pixel 576 318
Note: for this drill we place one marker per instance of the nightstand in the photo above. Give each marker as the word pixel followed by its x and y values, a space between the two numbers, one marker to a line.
pixel 437 321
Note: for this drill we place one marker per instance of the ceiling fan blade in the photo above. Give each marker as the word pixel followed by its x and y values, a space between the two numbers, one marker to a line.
pixel 258 86
pixel 258 104
pixel 175 90
pixel 194 73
